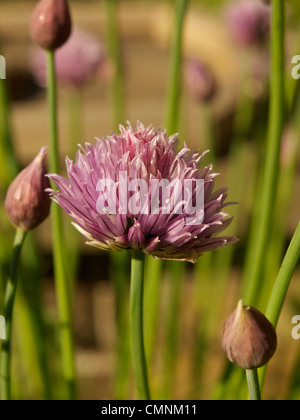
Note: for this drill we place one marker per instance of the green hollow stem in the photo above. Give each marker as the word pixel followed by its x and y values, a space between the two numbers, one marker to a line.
pixel 263 217
pixel 119 265
pixel 136 325
pixel 282 284
pixel 253 385
pixel 8 163
pixel 153 278
pixel 268 190
pixel 62 283
pixel 285 197
pixel 277 297
pixel 113 38
pixel 170 350
pixel 10 294
pixel 52 105
pixel 173 91
pixel 283 280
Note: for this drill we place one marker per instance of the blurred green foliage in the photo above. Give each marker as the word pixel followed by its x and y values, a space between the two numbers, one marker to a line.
pixel 293 6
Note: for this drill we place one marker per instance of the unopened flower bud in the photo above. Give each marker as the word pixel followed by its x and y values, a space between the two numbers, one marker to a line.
pixel 27 203
pixel 248 22
pixel 77 61
pixel 249 339
pixel 200 80
pixel 50 25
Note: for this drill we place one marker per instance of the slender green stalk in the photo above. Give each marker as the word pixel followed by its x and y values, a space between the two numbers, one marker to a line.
pixel 8 162
pixel 263 221
pixel 173 92
pixel 136 325
pixel 170 351
pixel 223 257
pixel 275 252
pixel 282 284
pixel 119 266
pixel 284 278
pixel 10 294
pixel 29 305
pixel 9 168
pixel 278 295
pixel 264 209
pixel 253 385
pixel 113 37
pixel 153 277
pixel 29 331
pixel 52 105
pixel 62 283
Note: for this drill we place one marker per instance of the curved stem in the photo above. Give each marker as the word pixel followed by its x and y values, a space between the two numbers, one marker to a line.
pixel 136 325
pixel 281 285
pixel 253 385
pixel 283 279
pixel 63 290
pixel 10 294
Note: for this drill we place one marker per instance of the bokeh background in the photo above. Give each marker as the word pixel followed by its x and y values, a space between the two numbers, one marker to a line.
pixel 242 79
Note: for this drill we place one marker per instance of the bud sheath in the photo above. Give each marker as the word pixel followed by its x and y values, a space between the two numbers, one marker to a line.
pixel 27 203
pixel 50 25
pixel 249 339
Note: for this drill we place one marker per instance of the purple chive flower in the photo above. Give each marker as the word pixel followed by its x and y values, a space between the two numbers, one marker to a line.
pixel 76 61
pixel 200 80
pixel 248 21
pixel 145 157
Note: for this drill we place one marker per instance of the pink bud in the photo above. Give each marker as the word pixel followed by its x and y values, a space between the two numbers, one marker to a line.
pixel 200 80
pixel 248 22
pixel 50 25
pixel 27 203
pixel 249 339
pixel 136 236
